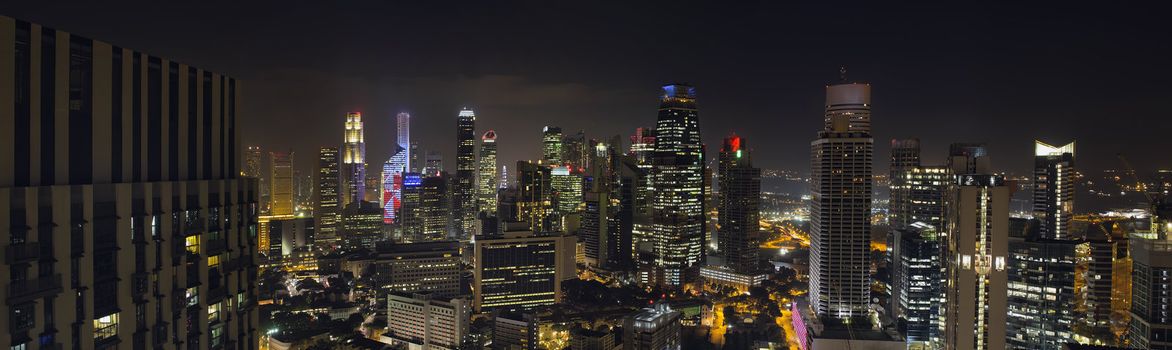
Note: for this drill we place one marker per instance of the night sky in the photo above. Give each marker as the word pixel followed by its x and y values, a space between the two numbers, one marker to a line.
pixel 1003 74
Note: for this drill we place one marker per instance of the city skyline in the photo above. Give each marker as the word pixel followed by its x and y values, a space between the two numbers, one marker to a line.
pixel 988 95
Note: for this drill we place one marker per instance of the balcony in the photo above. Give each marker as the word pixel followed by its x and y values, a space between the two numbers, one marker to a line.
pixel 22 252
pixel 217 294
pixel 139 282
pixel 33 288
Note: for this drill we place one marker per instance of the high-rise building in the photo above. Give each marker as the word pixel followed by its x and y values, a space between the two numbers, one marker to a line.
pixel 403 139
pixel 905 155
pixel 281 193
pixel 414 161
pixel 362 225
pixel 327 214
pixel 421 321
pixel 534 202
pixel 840 210
pixel 126 221
pixel 392 183
pixel 597 222
pixel 486 185
pixel 1150 305
pixel 353 161
pixel 975 263
pixel 1041 285
pixel 966 158
pixel 678 222
pixel 464 184
pixel 521 270
pixel 252 162
pixel 575 151
pixel 738 206
pixel 655 328
pixel 916 283
pixel 566 183
pixel 433 163
pixel 286 234
pixel 643 146
pixel 1054 189
pixel 426 213
pixel 551 145
pixel 430 267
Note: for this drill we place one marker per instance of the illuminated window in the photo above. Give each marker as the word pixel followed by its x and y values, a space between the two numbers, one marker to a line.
pixel 106 326
pixel 213 261
pixel 999 263
pixel 214 312
pixel 192 243
pixel 192 296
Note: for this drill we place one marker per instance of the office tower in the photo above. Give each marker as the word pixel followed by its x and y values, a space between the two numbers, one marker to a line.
pixel 486 186
pixel 916 288
pixel 1150 305
pixel 597 223
pixel 678 224
pixel 373 187
pixel 282 183
pixel 643 146
pixel 1041 284
pixel 504 177
pixel 966 158
pixel 353 161
pixel 926 192
pixel 975 263
pixel 430 267
pixel 414 162
pixel 1105 260
pixel 739 205
pixel 551 145
pixel 575 151
pixel 362 225
pixel 252 162
pixel 566 183
pixel 286 234
pixel 905 155
pixel 403 139
pixel 392 183
pixel 521 270
pixel 534 197
pixel 633 209
pixel 1054 189
pixel 464 184
pixel 840 210
pixel 433 163
pixel 421 321
pixel 327 214
pixel 426 207
pixel 655 328
pixel 125 224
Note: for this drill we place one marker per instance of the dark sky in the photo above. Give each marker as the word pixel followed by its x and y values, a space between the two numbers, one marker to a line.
pixel 1003 74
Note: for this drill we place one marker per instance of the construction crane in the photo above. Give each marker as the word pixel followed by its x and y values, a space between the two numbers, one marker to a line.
pixel 1159 209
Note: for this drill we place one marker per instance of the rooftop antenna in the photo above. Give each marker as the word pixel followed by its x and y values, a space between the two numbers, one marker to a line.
pixel 842 73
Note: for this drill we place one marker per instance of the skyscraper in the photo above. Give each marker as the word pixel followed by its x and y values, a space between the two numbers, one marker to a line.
pixel 643 146
pixel 976 295
pixel 596 231
pixel 391 184
pixel 1054 189
pixel 391 196
pixel 567 193
pixel 678 224
pixel 575 151
pixel 486 185
pixel 463 185
pixel 426 207
pixel 521 270
pixel 252 162
pixel 433 163
pixel 534 201
pixel 916 282
pixel 551 145
pixel 353 160
pixel 1042 295
pixel 840 210
pixel 328 211
pixel 282 183
pixel 739 205
pixel 1151 266
pixel 114 236
pixel 905 155
pixel 362 225
pixel 403 139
